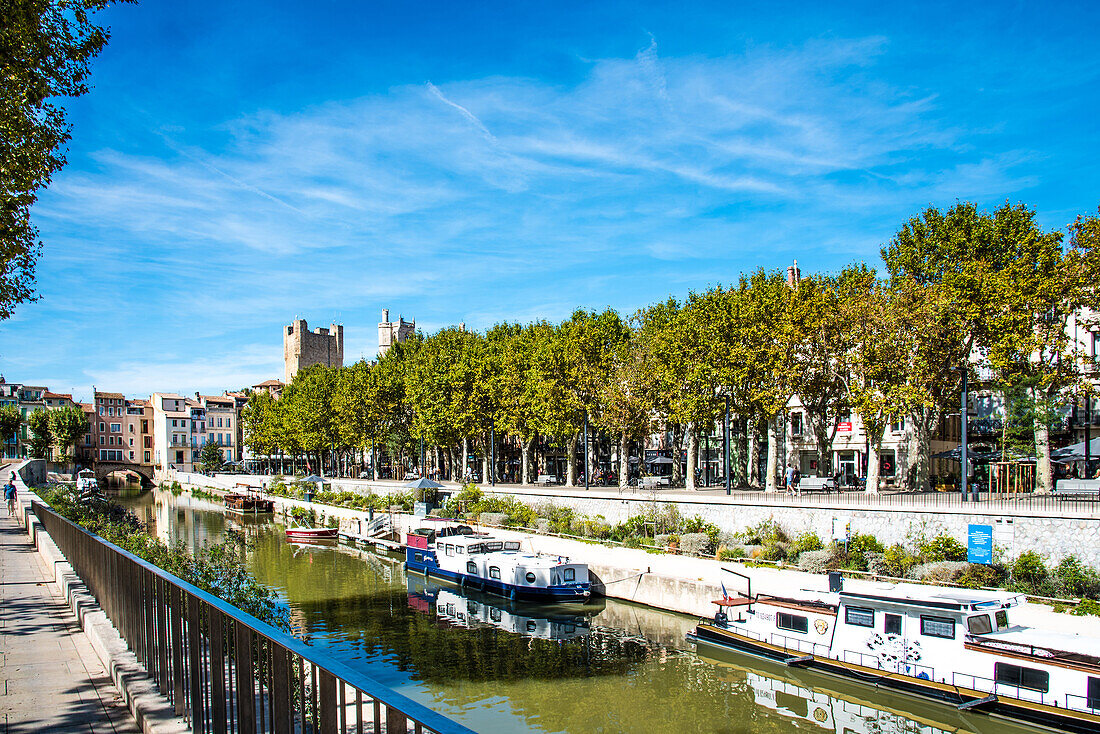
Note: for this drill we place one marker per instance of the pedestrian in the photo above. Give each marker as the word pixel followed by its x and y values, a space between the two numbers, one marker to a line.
pixel 9 495
pixel 790 479
pixel 797 477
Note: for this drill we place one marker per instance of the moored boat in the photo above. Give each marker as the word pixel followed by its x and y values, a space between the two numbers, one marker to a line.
pixel 453 551
pixel 248 502
pixel 310 533
pixel 956 646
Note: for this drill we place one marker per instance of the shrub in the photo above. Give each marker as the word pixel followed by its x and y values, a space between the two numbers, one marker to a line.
pixel 1076 579
pixel 816 561
pixel 807 541
pixel 765 532
pixel 492 518
pixel 940 571
pixel 941 548
pixel 858 547
pixel 898 561
pixel 774 552
pixel 695 544
pixel 975 576
pixel 632 541
pixel 1029 573
pixel 731 554
pixel 1087 607
pixel 662 540
pixel 876 563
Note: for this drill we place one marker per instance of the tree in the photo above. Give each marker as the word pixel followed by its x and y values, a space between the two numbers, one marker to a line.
pixel 211 457
pixel 45 50
pixel 41 435
pixel 10 422
pixel 69 425
pixel 260 423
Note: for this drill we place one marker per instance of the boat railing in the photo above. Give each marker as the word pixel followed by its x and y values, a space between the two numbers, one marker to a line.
pixel 988 685
pixel 1039 652
pixel 794 643
pixel 868 660
pixel 221 668
pixel 1088 704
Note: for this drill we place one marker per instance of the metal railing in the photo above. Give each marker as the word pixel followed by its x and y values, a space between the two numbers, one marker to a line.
pixel 221 668
pixel 1006 690
pixel 868 660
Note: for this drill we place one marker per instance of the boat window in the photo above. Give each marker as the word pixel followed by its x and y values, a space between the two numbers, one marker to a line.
pixel 531 625
pixel 419 557
pixel 1002 619
pixel 471 567
pixel 979 625
pixel 530 577
pixel 494 572
pixel 494 614
pixel 792 622
pixel 893 624
pixel 511 545
pixel 1093 693
pixel 475 548
pixel 937 627
pixel 859 616
pixel 570 574
pixel 493 545
pixel 1015 675
pixel 449 549
pixel 460 550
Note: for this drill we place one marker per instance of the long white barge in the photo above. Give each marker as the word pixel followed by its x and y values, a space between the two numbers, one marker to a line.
pixel 956 646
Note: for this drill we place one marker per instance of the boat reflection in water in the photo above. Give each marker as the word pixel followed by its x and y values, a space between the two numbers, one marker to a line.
pixel 827 703
pixel 471 609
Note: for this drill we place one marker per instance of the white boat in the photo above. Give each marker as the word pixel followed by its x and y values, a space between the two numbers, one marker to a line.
pixel 957 646
pixel 86 481
pixel 452 551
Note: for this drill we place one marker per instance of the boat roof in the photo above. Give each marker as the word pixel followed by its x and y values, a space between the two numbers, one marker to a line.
pixel 1065 646
pixel 947 598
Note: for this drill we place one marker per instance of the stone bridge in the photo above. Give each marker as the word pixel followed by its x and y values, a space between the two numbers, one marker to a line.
pixel 104 468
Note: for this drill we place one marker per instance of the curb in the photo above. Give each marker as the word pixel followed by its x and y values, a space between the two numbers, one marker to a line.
pixel 153 712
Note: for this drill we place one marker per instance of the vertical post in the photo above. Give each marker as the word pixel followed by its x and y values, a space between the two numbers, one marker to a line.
pixel 964 479
pixel 726 442
pixel 586 449
pixel 1088 433
pixel 422 457
pixel 493 451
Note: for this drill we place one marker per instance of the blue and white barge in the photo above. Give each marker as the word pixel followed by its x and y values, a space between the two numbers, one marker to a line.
pixel 454 552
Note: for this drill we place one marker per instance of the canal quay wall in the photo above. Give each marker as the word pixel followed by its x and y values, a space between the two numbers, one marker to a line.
pixel 1053 531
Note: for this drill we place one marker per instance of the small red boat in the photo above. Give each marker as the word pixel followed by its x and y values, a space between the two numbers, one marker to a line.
pixel 310 533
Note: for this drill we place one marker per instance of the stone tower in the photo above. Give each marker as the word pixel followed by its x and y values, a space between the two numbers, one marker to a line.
pixel 391 332
pixel 304 348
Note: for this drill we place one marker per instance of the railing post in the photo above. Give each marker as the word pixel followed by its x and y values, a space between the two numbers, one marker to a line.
pixel 175 622
pixel 194 647
pixel 327 685
pixel 246 701
pixel 216 632
pixel 280 690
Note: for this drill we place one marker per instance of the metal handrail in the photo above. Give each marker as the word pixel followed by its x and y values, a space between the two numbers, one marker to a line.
pixel 167 623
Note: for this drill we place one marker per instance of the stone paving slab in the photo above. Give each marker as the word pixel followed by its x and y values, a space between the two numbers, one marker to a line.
pixel 50 678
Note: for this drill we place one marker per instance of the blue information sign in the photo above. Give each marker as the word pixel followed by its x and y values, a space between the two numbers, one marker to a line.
pixel 979 544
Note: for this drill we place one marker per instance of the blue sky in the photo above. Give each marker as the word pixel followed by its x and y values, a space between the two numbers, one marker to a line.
pixel 239 164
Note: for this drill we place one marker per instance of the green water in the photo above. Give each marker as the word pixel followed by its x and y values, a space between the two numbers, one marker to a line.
pixel 499 667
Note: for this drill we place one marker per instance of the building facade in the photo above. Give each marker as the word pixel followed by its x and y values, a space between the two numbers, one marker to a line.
pixel 304 348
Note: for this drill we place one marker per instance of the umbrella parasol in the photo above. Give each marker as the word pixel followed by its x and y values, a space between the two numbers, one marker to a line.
pixel 424 483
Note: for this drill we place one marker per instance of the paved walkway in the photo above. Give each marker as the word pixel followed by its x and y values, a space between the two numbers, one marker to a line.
pixel 50 678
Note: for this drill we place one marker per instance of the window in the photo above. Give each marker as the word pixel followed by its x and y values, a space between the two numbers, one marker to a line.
pixel 570 574
pixel 937 627
pixel 1092 694
pixel 511 545
pixel 792 622
pixel 1002 619
pixel 116 428
pixel 860 617
pixel 471 567
pixel 979 625
pixel 1015 675
pixel 219 422
pixel 796 424
pixel 418 557
pixel 494 572
pixel 101 442
pixel 460 550
pixel 530 577
pixel 131 428
pixel 131 456
pixel 102 427
pixel 449 549
pixel 131 442
pixel 892 625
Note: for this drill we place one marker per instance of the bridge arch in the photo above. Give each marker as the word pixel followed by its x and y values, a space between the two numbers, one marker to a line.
pixel 104 469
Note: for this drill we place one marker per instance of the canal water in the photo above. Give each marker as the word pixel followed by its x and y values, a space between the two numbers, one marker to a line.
pixel 497 666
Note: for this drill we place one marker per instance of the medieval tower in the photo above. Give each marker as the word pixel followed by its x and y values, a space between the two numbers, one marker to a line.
pixel 304 348
pixel 392 332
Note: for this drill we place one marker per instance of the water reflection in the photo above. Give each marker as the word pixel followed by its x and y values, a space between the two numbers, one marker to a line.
pixel 501 667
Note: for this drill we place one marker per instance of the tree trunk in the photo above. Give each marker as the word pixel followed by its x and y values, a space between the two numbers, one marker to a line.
pixel 824 450
pixel 525 461
pixel 874 446
pixel 692 459
pixel 624 459
pixel 744 448
pixel 677 450
pixel 1044 477
pixel 754 454
pixel 917 479
pixel 571 463
pixel 773 455
pixel 485 458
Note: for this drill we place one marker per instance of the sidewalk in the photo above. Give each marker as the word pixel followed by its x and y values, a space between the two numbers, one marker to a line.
pixel 50 678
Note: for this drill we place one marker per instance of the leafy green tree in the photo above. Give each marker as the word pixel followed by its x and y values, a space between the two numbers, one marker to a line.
pixel 69 425
pixel 45 50
pixel 659 359
pixel 11 420
pixel 211 457
pixel 308 419
pixel 260 424
pixel 41 435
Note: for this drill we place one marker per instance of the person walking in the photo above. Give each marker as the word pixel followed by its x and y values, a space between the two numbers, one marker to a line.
pixel 790 479
pixel 10 496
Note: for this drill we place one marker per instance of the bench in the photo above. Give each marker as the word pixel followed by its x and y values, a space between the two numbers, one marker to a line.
pixel 547 479
pixel 1077 488
pixel 655 481
pixel 816 484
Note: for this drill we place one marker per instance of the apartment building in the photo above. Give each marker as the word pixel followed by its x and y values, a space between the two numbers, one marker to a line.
pixel 107 431
pixel 26 399
pixel 172 433
pixel 221 425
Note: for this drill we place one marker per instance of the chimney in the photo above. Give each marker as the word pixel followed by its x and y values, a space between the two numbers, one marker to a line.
pixel 385 316
pixel 793 275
